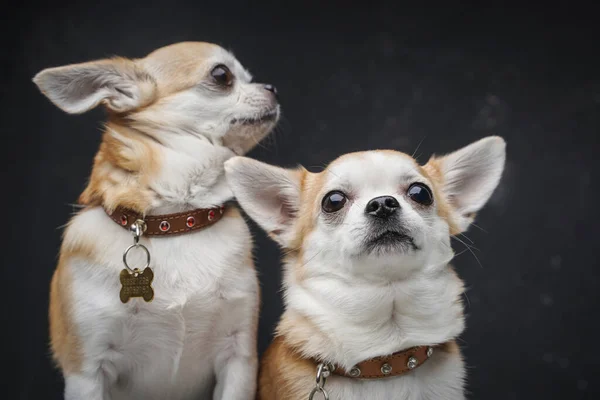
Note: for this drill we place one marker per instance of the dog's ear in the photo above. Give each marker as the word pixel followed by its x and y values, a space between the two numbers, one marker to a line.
pixel 469 176
pixel 269 195
pixel 118 83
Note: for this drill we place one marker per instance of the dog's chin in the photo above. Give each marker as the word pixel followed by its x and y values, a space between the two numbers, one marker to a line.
pixel 246 132
pixel 389 242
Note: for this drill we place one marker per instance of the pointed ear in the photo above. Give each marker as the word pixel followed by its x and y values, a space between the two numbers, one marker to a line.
pixel 269 195
pixel 469 176
pixel 118 83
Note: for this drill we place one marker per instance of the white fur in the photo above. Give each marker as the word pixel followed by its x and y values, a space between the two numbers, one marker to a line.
pixel 372 304
pixel 197 338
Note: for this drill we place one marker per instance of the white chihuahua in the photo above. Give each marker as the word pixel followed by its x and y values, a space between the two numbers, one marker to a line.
pixel 372 308
pixel 174 118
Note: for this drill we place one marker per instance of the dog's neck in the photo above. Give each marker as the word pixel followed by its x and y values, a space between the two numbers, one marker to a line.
pixel 346 320
pixel 134 169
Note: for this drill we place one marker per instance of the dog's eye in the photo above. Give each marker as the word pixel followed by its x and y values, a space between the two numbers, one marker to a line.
pixel 222 75
pixel 333 201
pixel 420 193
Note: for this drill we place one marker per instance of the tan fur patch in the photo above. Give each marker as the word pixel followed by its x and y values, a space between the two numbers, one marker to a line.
pixel 64 340
pixel 300 333
pixel 360 154
pixel 310 185
pixel 432 170
pixel 178 66
pixel 123 167
pixel 146 83
pixel 233 212
pixel 450 347
pixel 283 375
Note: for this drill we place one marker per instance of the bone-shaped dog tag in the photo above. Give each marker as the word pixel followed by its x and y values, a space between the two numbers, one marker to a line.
pixel 136 284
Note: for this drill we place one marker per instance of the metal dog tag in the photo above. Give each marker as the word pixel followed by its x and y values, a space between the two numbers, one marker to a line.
pixel 136 284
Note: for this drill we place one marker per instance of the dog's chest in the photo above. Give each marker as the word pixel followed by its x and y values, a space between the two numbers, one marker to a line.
pixel 199 279
pixel 189 294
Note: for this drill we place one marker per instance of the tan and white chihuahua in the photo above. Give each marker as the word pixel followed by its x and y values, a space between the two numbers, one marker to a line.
pixel 174 118
pixel 367 279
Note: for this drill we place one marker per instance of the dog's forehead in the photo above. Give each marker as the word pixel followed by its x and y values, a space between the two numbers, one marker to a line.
pixel 189 62
pixel 183 52
pixel 372 168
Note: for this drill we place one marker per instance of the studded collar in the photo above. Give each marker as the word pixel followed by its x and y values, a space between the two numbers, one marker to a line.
pixel 393 365
pixel 169 224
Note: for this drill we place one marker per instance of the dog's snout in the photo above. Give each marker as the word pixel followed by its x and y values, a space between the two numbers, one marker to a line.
pixel 271 89
pixel 382 207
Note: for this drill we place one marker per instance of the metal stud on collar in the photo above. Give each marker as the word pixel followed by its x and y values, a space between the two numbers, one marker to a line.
pixel 164 226
pixel 429 351
pixel 355 372
pixel 412 363
pixel 386 369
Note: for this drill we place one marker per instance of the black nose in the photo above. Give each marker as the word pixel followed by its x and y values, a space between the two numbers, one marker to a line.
pixel 271 88
pixel 382 207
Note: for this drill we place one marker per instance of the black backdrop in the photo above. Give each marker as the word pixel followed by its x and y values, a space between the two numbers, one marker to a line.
pixel 351 77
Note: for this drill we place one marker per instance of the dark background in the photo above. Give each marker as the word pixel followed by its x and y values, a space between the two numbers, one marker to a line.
pixel 351 77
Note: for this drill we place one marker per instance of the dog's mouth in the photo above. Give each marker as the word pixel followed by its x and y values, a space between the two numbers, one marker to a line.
pixel 390 241
pixel 268 116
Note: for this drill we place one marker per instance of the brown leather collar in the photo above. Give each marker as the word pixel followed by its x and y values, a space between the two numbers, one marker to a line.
pixel 393 365
pixel 169 224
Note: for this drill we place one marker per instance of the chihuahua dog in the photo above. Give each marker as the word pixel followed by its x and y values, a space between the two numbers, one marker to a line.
pixel 372 308
pixel 175 317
